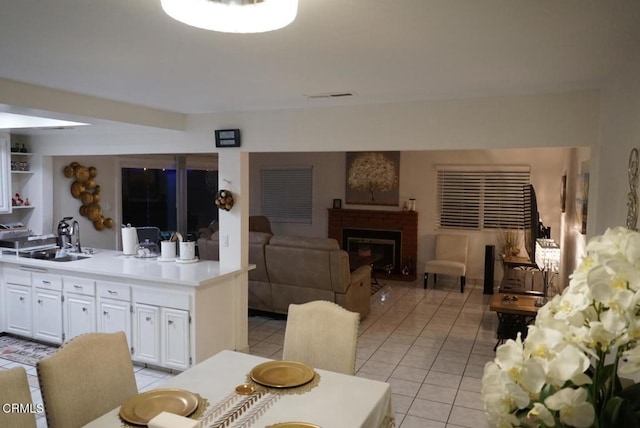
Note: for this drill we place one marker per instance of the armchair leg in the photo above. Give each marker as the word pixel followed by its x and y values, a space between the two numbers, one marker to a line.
pixel 462 283
pixel 426 278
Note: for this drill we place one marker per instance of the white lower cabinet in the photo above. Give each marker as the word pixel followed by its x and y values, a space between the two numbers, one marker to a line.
pixel 146 333
pixel 79 306
pixel 161 328
pixel 18 309
pixel 55 306
pixel 114 308
pixel 47 307
pixel 174 331
pixel 33 304
pixel 161 336
pixel 47 315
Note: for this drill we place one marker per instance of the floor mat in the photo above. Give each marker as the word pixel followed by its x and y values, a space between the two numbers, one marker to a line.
pixel 23 351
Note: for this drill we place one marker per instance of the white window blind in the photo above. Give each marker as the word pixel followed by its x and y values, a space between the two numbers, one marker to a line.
pixel 287 194
pixel 481 197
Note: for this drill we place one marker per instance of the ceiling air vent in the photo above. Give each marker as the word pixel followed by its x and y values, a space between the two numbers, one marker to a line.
pixel 329 95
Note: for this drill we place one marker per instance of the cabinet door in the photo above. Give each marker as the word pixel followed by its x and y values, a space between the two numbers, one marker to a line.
pixel 146 333
pixel 47 315
pixel 79 315
pixel 5 175
pixel 18 310
pixel 114 315
pixel 175 334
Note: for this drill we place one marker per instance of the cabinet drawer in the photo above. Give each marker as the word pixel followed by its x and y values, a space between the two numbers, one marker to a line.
pixel 165 298
pixel 112 290
pixel 16 276
pixel 79 285
pixel 48 281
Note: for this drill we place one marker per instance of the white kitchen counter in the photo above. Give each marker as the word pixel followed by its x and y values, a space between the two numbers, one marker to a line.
pixel 174 314
pixel 114 264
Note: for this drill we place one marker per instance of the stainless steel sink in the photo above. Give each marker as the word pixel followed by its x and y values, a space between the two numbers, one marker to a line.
pixel 69 258
pixel 50 254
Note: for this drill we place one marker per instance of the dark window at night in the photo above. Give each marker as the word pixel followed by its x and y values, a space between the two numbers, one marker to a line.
pixel 149 199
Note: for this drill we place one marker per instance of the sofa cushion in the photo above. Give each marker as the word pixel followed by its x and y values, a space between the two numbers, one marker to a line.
pixel 257 242
pixel 326 244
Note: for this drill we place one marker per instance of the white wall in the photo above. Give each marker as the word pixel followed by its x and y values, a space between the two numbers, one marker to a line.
pixel 620 132
pixel 544 120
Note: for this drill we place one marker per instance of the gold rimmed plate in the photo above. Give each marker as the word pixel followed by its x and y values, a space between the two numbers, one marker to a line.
pixel 141 408
pixel 282 374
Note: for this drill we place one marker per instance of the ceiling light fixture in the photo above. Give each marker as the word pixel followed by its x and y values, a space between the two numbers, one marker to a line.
pixel 233 16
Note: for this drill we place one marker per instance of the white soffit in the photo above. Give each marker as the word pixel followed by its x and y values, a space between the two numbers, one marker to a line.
pixel 16 121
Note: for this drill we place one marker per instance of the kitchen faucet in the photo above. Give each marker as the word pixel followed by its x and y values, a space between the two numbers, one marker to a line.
pixel 75 237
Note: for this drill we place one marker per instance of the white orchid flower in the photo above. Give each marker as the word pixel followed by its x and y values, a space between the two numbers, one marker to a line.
pixel 568 363
pixel 540 412
pixel 573 407
pixel 543 342
pixel 594 318
pixel 572 304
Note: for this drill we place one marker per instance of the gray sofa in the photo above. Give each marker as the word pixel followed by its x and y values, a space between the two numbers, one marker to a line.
pixel 293 269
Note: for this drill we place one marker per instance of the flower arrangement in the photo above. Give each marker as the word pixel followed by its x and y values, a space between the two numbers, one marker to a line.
pixel 565 373
pixel 510 241
pixel 224 199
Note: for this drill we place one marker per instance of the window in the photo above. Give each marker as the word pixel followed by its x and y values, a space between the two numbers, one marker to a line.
pixel 479 197
pixel 287 194
pixel 150 194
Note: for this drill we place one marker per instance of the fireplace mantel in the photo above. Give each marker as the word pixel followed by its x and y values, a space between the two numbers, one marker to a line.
pixel 404 221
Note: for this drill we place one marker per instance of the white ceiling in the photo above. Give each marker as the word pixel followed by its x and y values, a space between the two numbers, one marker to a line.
pixel 380 50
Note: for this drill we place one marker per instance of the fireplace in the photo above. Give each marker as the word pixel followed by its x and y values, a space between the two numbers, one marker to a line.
pixel 391 233
pixel 384 242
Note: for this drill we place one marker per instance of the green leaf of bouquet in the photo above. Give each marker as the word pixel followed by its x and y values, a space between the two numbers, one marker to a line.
pixel 632 395
pixel 546 391
pixel 618 413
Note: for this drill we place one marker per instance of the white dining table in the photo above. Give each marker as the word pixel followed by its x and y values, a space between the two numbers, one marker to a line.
pixel 336 401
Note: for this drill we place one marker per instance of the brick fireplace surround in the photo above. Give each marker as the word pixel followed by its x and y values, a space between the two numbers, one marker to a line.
pixel 404 221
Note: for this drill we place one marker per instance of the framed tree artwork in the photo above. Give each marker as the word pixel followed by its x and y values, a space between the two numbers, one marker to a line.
pixel 372 178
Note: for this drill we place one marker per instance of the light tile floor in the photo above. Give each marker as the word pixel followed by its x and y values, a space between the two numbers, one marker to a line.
pixel 430 345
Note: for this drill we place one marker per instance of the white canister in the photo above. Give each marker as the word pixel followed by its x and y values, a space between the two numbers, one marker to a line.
pixel 168 249
pixel 187 250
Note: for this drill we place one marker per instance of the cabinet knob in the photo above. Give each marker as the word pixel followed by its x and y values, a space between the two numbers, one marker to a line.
pixel 21 299
pixel 170 322
pixel 112 292
pixel 84 309
pixel 40 301
pixel 148 318
pixel 105 313
pixel 77 287
pixel 46 282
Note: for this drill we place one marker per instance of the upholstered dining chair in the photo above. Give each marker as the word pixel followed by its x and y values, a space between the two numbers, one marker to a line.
pixel 88 376
pixel 450 259
pixel 322 335
pixel 14 389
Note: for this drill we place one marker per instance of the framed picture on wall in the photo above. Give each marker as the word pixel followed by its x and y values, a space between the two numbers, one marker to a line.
pixel 372 178
pixel 337 204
